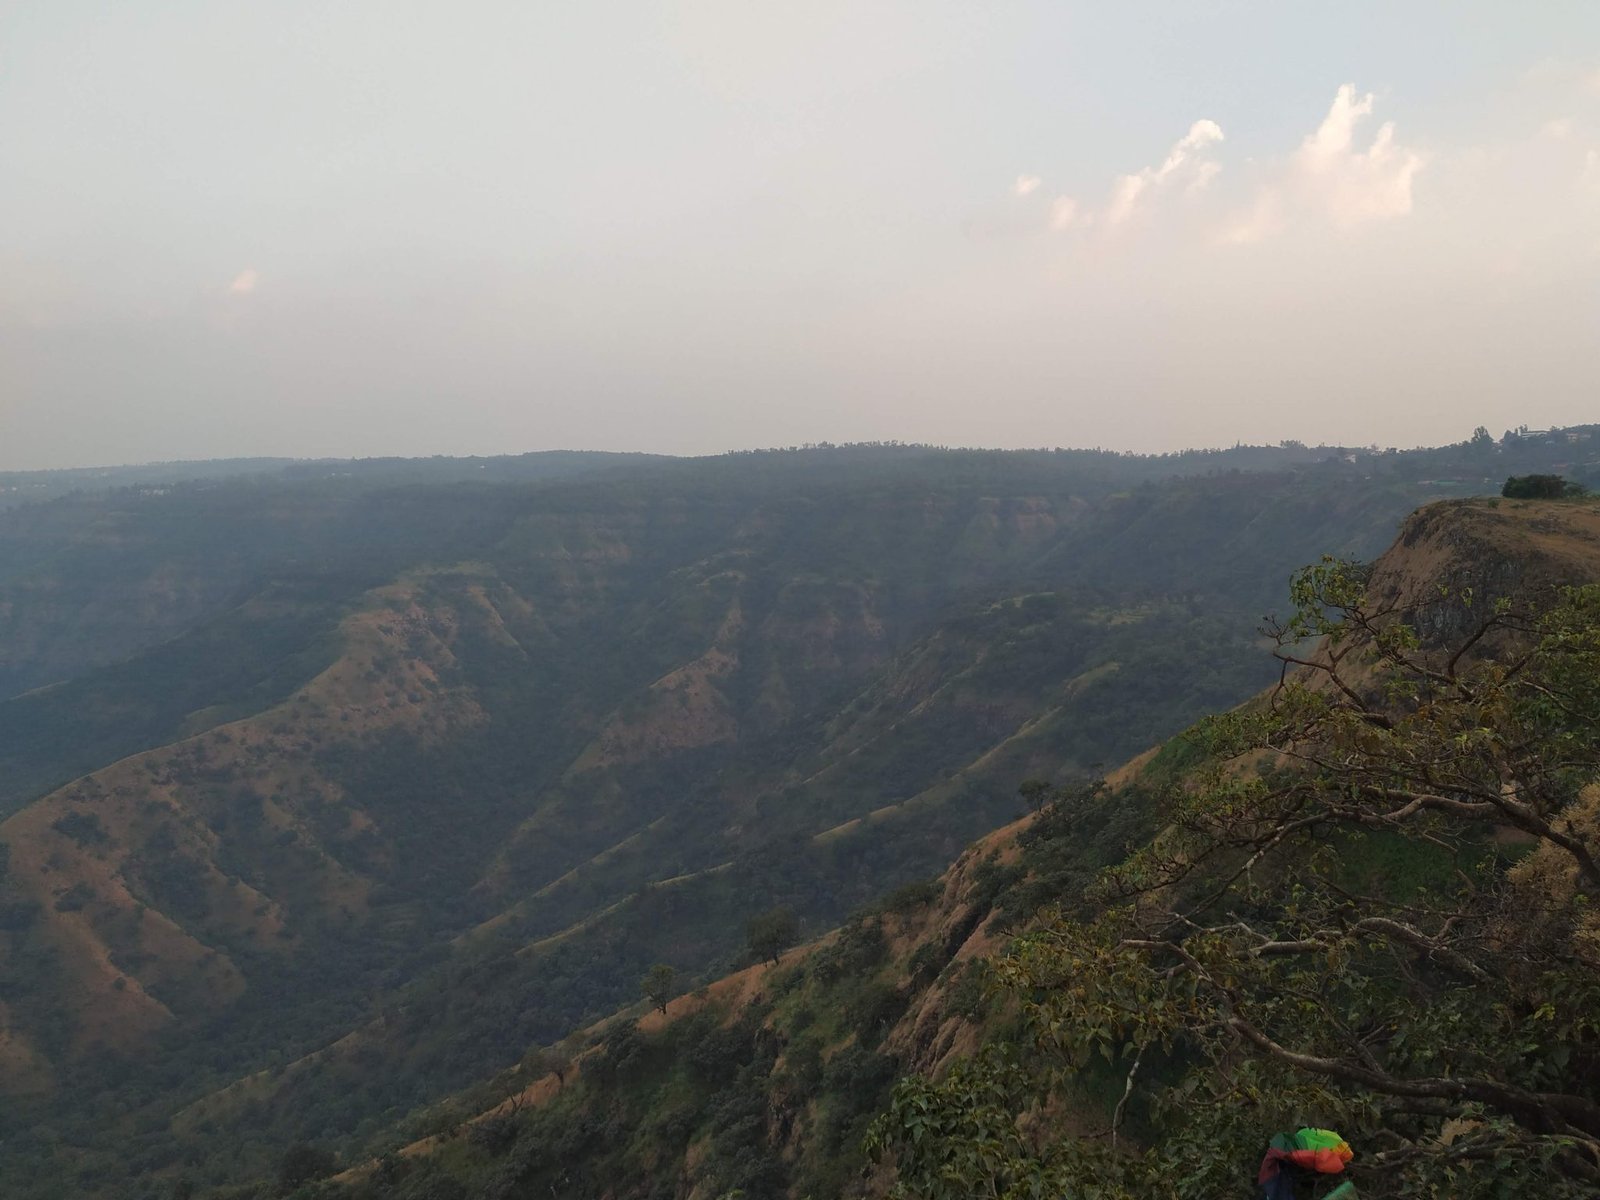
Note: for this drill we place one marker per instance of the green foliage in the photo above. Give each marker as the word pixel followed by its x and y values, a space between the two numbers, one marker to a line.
pixel 873 1010
pixel 912 896
pixel 82 827
pixel 621 1052
pixel 459 894
pixel 858 948
pixel 1540 487
pixel 302 1163
pixel 494 1134
pixel 977 1132
pixel 1444 1017
pixel 771 933
pixel 968 995
pixel 657 985
pixel 926 961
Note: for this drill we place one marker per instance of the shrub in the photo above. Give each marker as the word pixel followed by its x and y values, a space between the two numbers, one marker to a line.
pixel 1540 487
pixel 83 828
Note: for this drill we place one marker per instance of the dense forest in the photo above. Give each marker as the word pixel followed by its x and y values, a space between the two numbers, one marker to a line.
pixel 331 790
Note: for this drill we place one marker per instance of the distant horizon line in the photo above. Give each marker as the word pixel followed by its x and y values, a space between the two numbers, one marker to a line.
pixel 800 447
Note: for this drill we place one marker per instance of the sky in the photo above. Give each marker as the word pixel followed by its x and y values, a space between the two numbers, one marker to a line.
pixel 688 226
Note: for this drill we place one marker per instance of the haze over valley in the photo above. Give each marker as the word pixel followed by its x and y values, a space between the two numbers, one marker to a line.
pixel 693 601
pixel 338 785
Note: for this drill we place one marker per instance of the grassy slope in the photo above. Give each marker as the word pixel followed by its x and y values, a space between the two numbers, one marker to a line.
pixel 895 990
pixel 854 706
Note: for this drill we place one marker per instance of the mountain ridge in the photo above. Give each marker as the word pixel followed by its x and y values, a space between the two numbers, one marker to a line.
pixel 425 815
pixel 951 923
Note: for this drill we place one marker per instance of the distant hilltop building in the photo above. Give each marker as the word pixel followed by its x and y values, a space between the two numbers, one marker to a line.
pixel 1582 433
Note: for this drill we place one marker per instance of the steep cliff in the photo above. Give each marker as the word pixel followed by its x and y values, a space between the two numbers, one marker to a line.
pixel 355 842
pixel 765 1081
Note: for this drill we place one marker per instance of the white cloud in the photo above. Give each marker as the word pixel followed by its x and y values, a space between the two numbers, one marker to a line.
pixel 1125 196
pixel 1183 161
pixel 1329 179
pixel 1556 130
pixel 1027 184
pixel 244 282
pixel 1264 219
pixel 1063 212
pixel 1202 133
pixel 1358 185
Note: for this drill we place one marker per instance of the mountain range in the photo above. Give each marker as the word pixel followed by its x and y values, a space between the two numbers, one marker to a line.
pixel 329 790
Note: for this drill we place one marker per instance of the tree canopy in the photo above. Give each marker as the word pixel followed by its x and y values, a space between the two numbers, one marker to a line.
pixel 657 985
pixel 1540 487
pixel 771 933
pixel 1372 911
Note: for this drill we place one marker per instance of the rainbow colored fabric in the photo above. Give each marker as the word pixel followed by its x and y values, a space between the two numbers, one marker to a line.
pixel 1321 1151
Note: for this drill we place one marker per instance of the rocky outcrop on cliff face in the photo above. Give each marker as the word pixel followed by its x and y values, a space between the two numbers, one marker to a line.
pixel 1453 560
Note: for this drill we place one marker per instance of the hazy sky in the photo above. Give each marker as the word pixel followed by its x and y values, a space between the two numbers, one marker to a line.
pixel 345 228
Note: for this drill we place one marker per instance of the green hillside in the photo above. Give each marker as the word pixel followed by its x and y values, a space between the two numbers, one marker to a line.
pixel 979 1035
pixel 332 795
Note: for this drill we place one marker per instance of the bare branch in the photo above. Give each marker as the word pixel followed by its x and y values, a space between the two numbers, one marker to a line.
pixel 1557 1109
pixel 1127 1090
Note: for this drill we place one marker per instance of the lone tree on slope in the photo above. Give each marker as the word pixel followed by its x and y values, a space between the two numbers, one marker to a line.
pixel 772 933
pixel 657 985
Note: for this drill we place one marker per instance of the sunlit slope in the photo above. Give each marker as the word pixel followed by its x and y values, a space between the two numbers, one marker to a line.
pixel 477 798
pixel 148 892
pixel 813 1043
pixel 96 565
pixel 629 708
